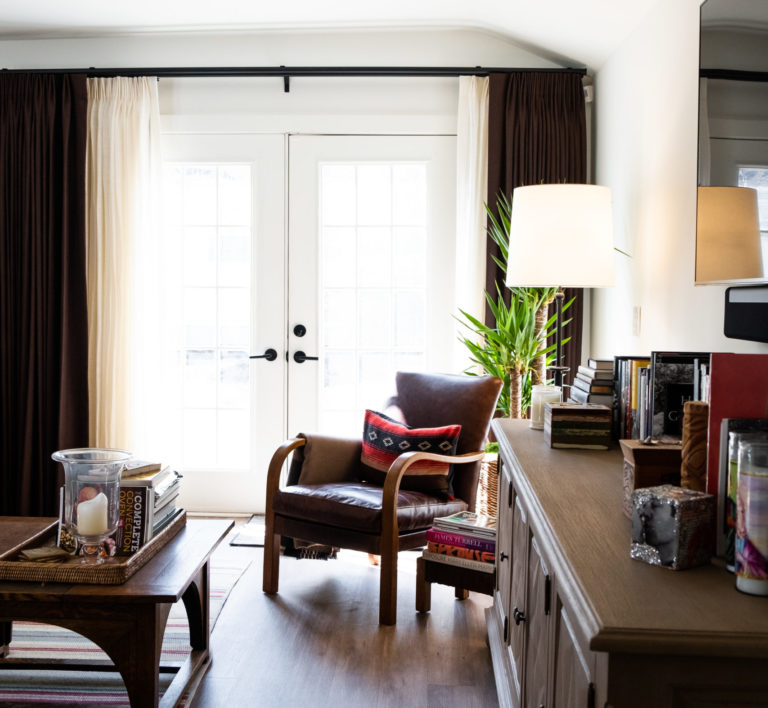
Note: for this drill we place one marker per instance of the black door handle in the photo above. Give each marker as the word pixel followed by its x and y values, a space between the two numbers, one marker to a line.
pixel 300 357
pixel 518 616
pixel 269 355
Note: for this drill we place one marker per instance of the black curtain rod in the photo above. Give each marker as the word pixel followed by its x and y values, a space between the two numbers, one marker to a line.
pixel 292 71
pixel 734 75
pixel 287 72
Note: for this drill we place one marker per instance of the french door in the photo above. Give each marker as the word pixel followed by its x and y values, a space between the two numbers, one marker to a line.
pixel 370 271
pixel 302 272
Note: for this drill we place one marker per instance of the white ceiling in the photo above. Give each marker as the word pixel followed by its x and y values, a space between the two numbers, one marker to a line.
pixel 578 31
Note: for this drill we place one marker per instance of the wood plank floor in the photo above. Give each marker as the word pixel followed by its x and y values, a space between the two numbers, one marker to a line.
pixel 318 643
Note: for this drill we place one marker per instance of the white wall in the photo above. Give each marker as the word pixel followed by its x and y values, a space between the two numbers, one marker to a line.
pixel 646 112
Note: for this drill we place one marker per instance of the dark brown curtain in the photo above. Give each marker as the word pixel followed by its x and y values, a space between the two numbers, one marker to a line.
pixel 43 324
pixel 537 134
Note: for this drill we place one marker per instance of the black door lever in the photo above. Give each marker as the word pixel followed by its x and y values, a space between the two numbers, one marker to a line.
pixel 300 357
pixel 269 355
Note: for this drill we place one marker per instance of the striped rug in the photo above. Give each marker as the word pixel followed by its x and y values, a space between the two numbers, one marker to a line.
pixel 76 688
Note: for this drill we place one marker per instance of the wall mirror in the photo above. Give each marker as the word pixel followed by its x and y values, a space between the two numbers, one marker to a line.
pixel 733 142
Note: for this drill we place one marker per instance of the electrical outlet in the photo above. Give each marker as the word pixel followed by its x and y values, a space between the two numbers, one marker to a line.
pixel 636 320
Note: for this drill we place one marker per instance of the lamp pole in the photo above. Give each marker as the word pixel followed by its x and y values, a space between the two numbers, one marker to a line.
pixel 557 370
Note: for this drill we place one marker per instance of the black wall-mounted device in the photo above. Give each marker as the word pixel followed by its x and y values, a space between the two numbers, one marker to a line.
pixel 746 313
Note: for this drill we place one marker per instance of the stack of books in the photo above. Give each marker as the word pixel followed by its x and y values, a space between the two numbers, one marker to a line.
pixel 465 539
pixel 593 383
pixel 148 495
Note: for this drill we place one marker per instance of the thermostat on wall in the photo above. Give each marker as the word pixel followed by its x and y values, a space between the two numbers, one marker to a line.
pixel 746 313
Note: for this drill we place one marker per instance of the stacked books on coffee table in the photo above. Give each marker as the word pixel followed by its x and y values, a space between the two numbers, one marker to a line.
pixel 148 495
pixel 465 539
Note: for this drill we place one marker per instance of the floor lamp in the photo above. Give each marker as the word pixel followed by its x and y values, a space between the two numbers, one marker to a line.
pixel 561 235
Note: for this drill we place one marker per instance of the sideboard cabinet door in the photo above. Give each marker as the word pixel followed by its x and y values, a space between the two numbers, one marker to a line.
pixel 537 629
pixel 517 625
pixel 574 666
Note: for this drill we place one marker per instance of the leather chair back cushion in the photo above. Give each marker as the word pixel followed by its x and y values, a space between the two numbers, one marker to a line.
pixel 325 459
pixel 356 505
pixel 429 400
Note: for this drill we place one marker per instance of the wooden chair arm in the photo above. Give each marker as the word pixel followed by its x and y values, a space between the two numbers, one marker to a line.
pixel 409 458
pixel 276 465
pixel 395 473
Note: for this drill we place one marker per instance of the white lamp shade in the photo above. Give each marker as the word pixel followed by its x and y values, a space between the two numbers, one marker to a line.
pixel 561 235
pixel 727 234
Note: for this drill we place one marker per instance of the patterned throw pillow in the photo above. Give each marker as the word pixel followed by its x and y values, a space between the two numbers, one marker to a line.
pixel 385 439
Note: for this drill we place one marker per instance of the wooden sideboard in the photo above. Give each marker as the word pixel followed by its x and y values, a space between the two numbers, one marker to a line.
pixel 576 622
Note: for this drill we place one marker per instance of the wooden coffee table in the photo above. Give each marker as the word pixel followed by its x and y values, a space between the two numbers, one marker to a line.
pixel 127 621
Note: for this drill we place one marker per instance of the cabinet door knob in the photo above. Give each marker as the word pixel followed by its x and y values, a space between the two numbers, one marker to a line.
pixel 519 616
pixel 503 556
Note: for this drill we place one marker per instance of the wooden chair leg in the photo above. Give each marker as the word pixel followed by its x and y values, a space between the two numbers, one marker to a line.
pixel 388 586
pixel 271 574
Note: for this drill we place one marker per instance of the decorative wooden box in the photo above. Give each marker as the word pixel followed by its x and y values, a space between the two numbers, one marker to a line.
pixel 672 527
pixel 576 425
pixel 648 465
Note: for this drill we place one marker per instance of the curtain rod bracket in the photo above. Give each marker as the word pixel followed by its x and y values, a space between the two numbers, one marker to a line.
pixel 286 81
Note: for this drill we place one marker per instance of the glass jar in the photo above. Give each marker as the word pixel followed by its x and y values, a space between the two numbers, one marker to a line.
pixel 91 510
pixel 752 518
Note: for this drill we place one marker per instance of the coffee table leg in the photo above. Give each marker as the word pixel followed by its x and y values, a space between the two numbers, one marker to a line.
pixel 138 657
pixel 5 637
pixel 197 603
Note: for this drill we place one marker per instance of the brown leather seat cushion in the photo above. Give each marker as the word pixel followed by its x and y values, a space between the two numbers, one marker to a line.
pixel 356 505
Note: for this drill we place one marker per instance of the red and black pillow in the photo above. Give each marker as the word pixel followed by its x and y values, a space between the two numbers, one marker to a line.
pixel 385 439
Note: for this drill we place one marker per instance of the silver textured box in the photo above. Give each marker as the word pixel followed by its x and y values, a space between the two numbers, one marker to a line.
pixel 672 527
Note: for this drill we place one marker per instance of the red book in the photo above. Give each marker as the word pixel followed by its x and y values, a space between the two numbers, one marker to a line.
pixel 461 540
pixel 738 389
pixel 445 549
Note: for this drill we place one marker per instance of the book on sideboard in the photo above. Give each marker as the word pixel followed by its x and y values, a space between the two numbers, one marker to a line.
pixel 590 373
pixel 578 395
pixel 675 377
pixel 600 364
pixel 738 389
pixel 593 385
pixel 622 406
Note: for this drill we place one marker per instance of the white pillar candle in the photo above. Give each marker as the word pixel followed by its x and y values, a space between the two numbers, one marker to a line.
pixel 541 394
pixel 92 516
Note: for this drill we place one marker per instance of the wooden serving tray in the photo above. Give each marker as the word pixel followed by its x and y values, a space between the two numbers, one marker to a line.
pixel 112 572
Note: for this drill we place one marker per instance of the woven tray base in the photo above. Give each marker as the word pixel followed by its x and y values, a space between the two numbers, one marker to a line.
pixel 111 572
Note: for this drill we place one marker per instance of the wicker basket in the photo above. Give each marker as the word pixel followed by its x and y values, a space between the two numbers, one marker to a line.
pixel 488 485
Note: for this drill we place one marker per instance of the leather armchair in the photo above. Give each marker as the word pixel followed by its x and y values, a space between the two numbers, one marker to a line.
pixel 323 501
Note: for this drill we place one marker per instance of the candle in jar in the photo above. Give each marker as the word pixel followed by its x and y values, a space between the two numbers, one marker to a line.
pixel 92 516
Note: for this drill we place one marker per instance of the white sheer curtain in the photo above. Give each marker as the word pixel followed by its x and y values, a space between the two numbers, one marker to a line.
pixel 471 187
pixel 122 182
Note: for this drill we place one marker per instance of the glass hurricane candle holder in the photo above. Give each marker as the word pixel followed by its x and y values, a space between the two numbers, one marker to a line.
pixel 91 496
